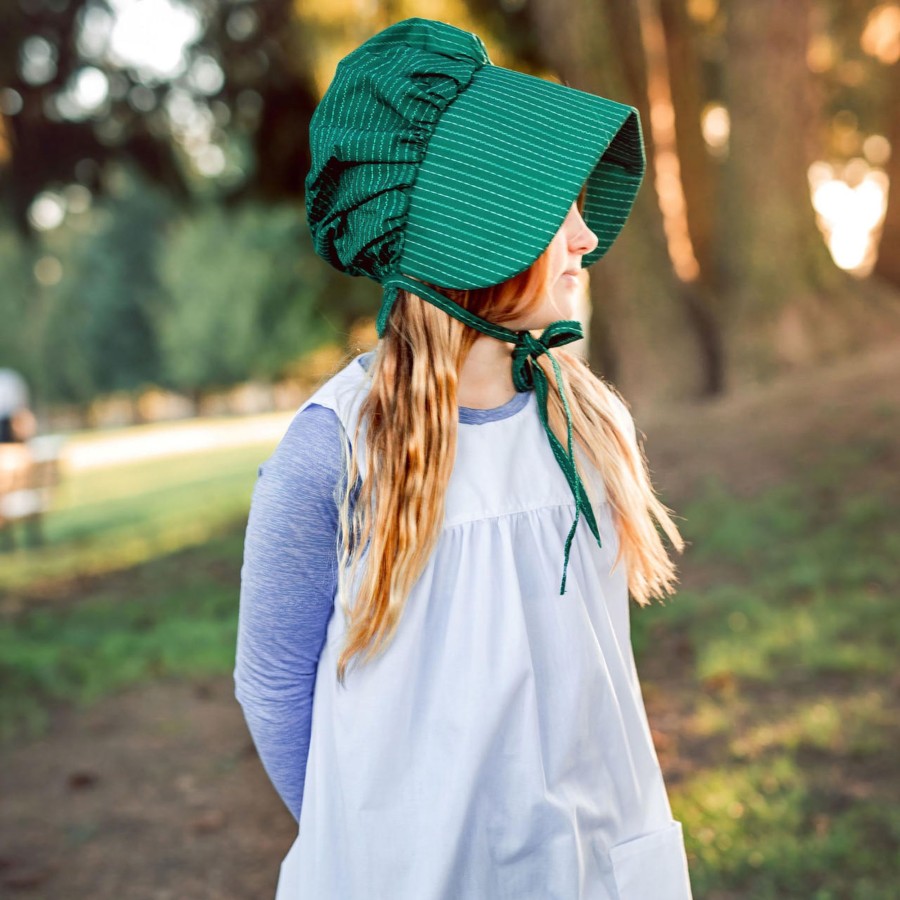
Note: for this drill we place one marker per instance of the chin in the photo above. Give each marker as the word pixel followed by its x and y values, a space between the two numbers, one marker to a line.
pixel 559 305
pixel 565 307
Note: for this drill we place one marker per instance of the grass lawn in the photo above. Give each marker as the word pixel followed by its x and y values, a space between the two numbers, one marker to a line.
pixel 775 664
pixel 139 577
pixel 785 684
pixel 118 518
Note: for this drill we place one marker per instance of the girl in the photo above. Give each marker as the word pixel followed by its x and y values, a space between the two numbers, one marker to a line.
pixel 444 711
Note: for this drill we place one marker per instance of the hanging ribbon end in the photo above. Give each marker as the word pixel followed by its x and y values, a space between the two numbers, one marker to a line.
pixel 388 296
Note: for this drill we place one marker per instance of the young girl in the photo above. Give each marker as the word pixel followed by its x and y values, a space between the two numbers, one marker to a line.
pixel 433 659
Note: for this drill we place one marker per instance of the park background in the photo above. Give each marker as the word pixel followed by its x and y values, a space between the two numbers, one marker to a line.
pixel 159 294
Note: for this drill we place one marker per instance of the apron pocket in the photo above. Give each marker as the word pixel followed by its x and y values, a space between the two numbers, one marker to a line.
pixel 652 866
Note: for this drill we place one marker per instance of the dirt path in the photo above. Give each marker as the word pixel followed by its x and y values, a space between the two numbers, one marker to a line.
pixel 100 450
pixel 154 793
pixel 157 792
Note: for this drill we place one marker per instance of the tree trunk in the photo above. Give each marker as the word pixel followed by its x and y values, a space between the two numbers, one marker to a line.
pixel 639 336
pixel 788 304
pixel 674 73
pixel 698 177
pixel 887 264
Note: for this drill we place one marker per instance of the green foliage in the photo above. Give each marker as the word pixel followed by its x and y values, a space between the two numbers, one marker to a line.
pixel 118 285
pixel 768 830
pixel 198 299
pixel 124 517
pixel 99 335
pixel 241 292
pixel 789 787
pixel 814 582
pixel 17 288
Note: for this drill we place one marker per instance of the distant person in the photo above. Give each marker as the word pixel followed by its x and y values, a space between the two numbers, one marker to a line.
pixel 17 421
pixel 459 715
pixel 17 426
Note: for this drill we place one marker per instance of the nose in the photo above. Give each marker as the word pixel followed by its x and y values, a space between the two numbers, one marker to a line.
pixel 581 238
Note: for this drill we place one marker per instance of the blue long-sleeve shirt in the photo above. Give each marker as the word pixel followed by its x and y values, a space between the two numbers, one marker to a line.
pixel 288 585
pixel 288 581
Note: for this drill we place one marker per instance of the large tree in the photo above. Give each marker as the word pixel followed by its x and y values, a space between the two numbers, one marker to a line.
pixel 641 337
pixel 787 303
pixel 687 55
pixel 887 266
pixel 263 101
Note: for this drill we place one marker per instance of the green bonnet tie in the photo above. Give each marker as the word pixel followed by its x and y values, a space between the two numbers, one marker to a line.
pixel 526 376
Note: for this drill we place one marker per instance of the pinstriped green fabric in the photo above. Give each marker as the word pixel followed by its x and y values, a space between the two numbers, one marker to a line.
pixel 368 135
pixel 503 167
pixel 427 159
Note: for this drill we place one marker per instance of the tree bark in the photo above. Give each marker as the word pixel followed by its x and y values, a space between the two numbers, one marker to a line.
pixel 639 336
pixel 887 263
pixel 698 178
pixel 787 305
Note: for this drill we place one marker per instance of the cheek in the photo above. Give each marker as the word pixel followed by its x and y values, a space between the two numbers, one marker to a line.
pixel 557 258
pixel 567 297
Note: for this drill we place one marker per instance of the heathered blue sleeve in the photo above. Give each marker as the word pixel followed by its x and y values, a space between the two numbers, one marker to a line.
pixel 288 583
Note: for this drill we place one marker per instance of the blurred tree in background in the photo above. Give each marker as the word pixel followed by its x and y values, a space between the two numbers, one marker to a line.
pixel 721 275
pixel 152 159
pixel 99 332
pixel 240 297
pixel 17 337
pixel 751 250
pixel 194 94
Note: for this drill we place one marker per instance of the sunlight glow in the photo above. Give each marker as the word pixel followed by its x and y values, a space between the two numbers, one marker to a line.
pixel 90 88
pixel 86 92
pixel 10 102
pixel 48 271
pixel 716 127
pixel 153 36
pixel 94 27
pixel 47 211
pixel 850 205
pixel 210 161
pixel 881 34
pixel 37 61
pixel 206 75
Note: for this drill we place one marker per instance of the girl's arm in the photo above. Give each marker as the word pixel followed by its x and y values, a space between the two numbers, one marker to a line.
pixel 288 582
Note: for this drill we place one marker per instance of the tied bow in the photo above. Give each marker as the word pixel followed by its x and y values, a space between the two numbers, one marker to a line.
pixel 527 375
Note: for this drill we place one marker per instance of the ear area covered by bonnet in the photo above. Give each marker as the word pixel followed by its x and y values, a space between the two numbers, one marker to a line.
pixel 369 134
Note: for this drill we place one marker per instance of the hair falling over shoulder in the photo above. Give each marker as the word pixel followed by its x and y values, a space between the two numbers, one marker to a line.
pixel 411 424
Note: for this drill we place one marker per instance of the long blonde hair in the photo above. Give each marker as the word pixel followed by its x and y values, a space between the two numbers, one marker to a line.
pixel 411 415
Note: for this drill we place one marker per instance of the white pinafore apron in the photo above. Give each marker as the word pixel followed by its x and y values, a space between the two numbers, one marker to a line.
pixel 499 749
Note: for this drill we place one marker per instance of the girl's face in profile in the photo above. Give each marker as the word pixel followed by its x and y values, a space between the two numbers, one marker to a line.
pixel 573 240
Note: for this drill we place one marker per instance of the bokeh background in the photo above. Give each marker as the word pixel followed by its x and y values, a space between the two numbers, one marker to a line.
pixel 162 315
